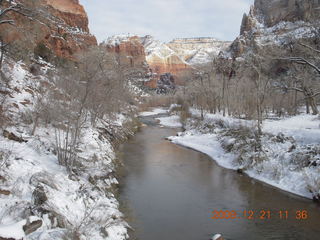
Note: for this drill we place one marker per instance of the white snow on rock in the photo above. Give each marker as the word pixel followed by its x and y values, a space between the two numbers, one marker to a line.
pixel 216 237
pixel 118 39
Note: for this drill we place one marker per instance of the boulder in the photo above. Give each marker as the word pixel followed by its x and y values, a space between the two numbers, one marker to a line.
pixel 13 137
pixel 4 192
pixel 39 196
pixel 31 227
pixel 217 237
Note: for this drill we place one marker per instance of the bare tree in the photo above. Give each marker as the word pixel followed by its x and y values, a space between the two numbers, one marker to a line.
pixel 90 90
pixel 304 75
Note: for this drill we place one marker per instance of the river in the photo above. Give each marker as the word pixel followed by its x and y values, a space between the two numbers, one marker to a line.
pixel 171 192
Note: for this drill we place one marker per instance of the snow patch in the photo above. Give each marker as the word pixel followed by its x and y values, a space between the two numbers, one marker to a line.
pixel 171 121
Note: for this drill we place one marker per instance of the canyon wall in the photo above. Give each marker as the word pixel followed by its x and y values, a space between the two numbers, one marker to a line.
pixel 274 11
pixel 128 48
pixel 276 22
pixel 61 26
pixel 179 56
pixel 162 59
pixel 198 50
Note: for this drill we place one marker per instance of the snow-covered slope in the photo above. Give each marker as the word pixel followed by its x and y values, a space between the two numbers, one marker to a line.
pixel 189 50
pixel 156 49
pixel 39 198
pixel 198 50
pixel 275 26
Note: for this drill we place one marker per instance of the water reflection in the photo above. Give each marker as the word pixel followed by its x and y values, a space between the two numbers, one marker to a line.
pixel 171 191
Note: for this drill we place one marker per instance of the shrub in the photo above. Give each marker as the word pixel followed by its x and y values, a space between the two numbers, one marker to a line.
pixel 41 50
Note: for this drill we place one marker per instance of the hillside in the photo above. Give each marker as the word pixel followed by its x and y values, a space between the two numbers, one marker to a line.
pixel 61 120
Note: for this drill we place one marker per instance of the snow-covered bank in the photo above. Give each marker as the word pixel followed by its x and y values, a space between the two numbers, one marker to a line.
pixel 286 156
pixel 171 121
pixel 208 144
pixel 155 111
pixel 39 198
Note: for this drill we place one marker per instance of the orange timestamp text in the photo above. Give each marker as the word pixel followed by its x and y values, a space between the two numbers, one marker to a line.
pixel 259 214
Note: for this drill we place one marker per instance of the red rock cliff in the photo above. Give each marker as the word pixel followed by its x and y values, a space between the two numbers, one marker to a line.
pixel 129 48
pixel 61 25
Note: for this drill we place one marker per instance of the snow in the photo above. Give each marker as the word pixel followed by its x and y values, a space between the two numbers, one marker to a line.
pixel 118 39
pixel 281 32
pixel 14 230
pixel 73 199
pixel 156 49
pixel 171 121
pixel 304 128
pixel 279 164
pixel 155 111
pixel 207 144
pixel 216 237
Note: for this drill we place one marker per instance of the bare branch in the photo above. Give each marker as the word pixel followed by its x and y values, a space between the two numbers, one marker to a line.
pixel 307 46
pixel 316 94
pixel 300 60
pixel 7 21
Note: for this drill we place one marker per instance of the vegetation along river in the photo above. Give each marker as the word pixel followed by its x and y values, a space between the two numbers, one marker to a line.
pixel 171 192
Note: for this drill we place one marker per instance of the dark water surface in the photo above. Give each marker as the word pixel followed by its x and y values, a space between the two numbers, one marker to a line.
pixel 171 192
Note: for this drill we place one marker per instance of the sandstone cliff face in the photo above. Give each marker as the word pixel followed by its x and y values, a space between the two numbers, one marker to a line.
pixel 176 57
pixel 197 50
pixel 274 11
pixel 60 25
pixel 180 55
pixel 275 22
pixel 129 48
pixel 162 59
pixel 71 12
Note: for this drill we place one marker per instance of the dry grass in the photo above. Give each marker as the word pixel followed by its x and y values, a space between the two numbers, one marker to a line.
pixel 156 101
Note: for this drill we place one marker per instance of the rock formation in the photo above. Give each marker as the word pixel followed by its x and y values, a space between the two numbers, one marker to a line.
pixel 276 22
pixel 274 11
pixel 129 48
pixel 61 26
pixel 178 56
pixel 162 59
pixel 197 50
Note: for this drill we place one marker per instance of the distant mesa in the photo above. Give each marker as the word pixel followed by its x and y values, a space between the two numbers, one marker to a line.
pixel 175 58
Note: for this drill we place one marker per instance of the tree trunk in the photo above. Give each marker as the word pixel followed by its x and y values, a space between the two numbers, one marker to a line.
pixel 1 54
pixel 307 105
pixel 35 124
pixel 313 106
pixel 223 96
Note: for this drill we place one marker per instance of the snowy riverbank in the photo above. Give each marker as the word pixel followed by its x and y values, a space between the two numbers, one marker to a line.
pixel 286 156
pixel 39 198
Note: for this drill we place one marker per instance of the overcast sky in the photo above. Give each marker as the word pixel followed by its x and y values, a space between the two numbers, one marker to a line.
pixel 166 19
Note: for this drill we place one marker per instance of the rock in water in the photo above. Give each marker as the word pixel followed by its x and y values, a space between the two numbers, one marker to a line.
pixel 217 237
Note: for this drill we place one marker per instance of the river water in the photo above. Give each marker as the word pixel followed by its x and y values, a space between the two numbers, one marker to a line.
pixel 171 192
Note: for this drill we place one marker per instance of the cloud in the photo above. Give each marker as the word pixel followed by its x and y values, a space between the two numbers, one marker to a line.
pixel 166 19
